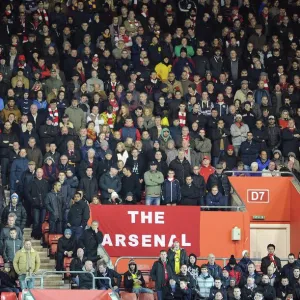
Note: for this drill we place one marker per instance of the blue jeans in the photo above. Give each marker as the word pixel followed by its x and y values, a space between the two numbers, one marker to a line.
pixel 28 284
pixel 142 290
pixel 159 295
pixel 152 200
pixel 77 231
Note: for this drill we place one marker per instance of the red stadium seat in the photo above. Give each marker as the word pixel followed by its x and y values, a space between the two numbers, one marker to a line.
pixel 20 296
pixel 53 240
pixel 128 296
pixel 146 296
pixel 8 296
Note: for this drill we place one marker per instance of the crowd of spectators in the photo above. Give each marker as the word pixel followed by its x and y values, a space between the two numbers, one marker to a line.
pixel 104 101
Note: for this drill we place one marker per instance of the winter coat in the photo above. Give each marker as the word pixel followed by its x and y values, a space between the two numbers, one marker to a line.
pixel 171 192
pixel 269 291
pixel 204 284
pixel 54 204
pixel 289 142
pixel 157 273
pixel 79 214
pixel 244 263
pixel 76 116
pixel 18 167
pixel 265 262
pixel 115 277
pixel 190 195
pixel 89 187
pixel 20 212
pixel 89 241
pixel 107 182
pixel 35 154
pixel 235 272
pixel 128 280
pixel 214 270
pixel 4 235
pixel 181 169
pixel 221 181
pixel 238 134
pixel 274 137
pixel 216 137
pixel 86 280
pixel 215 200
pixel 65 244
pixel 10 248
pixel 249 152
pixel 20 262
pixel 283 291
pixel 7 139
pixel 248 293
pixel 131 186
pixel 77 265
pixel 183 259
pixel 37 192
pixel 255 276
pixel 214 290
pixel 203 146
pixel 153 181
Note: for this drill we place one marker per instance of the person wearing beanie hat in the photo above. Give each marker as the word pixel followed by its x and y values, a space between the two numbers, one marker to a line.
pixel 238 131
pixel 66 247
pixel 114 198
pixel 134 281
pixel 15 206
pixel 234 270
pixel 177 257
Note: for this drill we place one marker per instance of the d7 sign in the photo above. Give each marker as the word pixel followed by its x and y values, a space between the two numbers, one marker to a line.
pixel 258 196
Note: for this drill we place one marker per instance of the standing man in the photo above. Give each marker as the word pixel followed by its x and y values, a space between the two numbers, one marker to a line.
pixel 76 115
pixel 177 257
pixel 26 263
pixel 161 273
pixel 55 205
pixel 271 258
pixel 78 216
pixel 153 180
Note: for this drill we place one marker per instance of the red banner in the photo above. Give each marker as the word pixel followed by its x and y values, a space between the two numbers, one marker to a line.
pixel 136 230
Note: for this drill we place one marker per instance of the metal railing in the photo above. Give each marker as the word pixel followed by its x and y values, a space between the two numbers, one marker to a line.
pixel 44 274
pixel 223 259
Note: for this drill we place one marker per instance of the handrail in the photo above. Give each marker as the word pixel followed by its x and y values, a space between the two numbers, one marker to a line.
pixel 224 259
pixel 69 272
pixel 224 207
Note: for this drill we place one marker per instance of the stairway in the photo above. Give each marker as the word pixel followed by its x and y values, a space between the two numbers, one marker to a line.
pixel 51 281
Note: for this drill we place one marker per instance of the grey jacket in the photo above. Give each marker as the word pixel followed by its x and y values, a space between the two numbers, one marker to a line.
pixel 10 248
pixel 239 135
pixel 203 146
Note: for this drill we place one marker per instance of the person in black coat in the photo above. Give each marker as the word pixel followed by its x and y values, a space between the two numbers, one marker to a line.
pixel 288 269
pixel 270 258
pixel 158 273
pixel 65 248
pixel 131 187
pixel 219 179
pixel 190 194
pixel 269 291
pixel 86 279
pixel 290 139
pixel 284 289
pixel 77 264
pixel 137 164
pixel 115 277
pixel 181 166
pixel 249 150
pixel 172 257
pixel 89 241
pixel 89 185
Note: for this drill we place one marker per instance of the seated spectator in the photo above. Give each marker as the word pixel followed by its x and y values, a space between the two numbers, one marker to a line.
pixel 8 283
pixel 15 206
pixel 204 283
pixel 186 276
pixel 217 288
pixel 134 281
pixel 215 198
pixel 262 160
pixel 245 261
pixel 193 269
pixel 103 284
pixel 65 248
pixel 251 272
pixel 86 279
pixel 213 269
pixel 267 291
pixel 249 289
pixel 77 264
pixel 254 168
pixel 284 289
pixel 89 241
pixel 234 270
pixel 240 171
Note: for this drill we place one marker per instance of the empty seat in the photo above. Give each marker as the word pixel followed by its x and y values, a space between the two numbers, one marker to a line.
pixel 8 296
pixel 146 296
pixel 53 240
pixel 128 296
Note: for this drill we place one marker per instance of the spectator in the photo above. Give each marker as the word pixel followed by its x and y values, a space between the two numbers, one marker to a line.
pixel 86 279
pixel 288 269
pixel 190 193
pixel 90 240
pixel 153 180
pixel 171 194
pixel 78 216
pixel 26 263
pixel 238 131
pixel 177 257
pixel 184 275
pixel 217 288
pixel 204 282
pixel 76 115
pixel 245 261
pixel 271 258
pixel 251 272
pixel 234 270
pixel 65 248
pixel 213 269
pixel 161 273
pixel 193 268
pixel 215 198
pixel 268 291
pixel 77 264
pixel 103 284
pixel 249 289
pixel 249 151
pixel 206 169
pixel 11 246
pixel 284 289
pixel 131 187
pixel 17 208
pixel 89 184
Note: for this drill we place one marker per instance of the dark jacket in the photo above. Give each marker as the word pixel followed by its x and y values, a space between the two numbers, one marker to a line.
pixel 107 182
pixel 171 192
pixel 158 274
pixel 183 257
pixel 265 262
pixel 269 291
pixel 289 142
pixel 79 214
pixel 37 192
pixel 65 244
pixel 190 195
pixel 54 204
pixel 214 270
pixel 115 277
pixel 215 200
pixel 243 264
pixel 221 181
pixel 77 265
pixel 89 241
pixel 89 187
pixel 283 291
pixel 181 169
pixel 10 247
pixel 214 290
pixel 128 280
pixel 86 280
pixel 247 293
pixel 18 167
pixel 255 276
pixel 216 138
pixel 20 212
pixel 249 152
pixel 287 270
pixel 131 186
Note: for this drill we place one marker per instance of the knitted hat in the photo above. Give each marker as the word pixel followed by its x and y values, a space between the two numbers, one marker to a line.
pixel 131 262
pixel 68 231
pixel 244 252
pixel 232 260
pixel 14 195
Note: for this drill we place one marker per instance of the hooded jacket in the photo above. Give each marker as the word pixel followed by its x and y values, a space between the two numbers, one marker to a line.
pixel 171 192
pixel 158 273
pixel 193 269
pixel 10 248
pixel 128 279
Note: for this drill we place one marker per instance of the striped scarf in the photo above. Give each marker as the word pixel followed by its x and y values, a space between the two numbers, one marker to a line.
pixel 43 16
pixel 182 118
pixel 54 116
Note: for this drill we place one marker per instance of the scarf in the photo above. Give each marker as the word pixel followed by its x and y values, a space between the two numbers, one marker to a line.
pixel 133 23
pixel 272 259
pixel 114 104
pixel 54 116
pixel 92 4
pixel 43 16
pixel 110 120
pixel 239 125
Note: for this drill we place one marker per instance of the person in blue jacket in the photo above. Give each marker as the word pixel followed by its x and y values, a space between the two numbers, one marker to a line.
pixel 171 192
pixel 215 198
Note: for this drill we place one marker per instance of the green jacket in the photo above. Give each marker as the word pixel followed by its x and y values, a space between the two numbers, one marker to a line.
pixel 189 49
pixel 20 262
pixel 153 181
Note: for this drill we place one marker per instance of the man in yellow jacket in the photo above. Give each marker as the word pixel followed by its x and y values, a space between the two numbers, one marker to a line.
pixel 163 69
pixel 26 263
